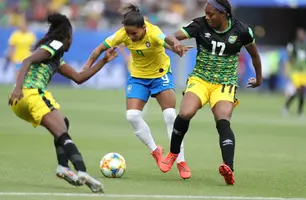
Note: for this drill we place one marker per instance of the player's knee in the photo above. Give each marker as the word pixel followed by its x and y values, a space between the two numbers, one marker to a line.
pixel 223 110
pixel 66 122
pixel 169 115
pixel 133 116
pixel 187 113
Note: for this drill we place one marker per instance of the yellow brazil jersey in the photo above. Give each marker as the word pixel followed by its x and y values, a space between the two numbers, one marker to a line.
pixel 129 64
pixel 22 42
pixel 149 59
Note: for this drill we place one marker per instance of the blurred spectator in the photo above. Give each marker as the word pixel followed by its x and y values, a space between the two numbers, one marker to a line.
pixel 97 14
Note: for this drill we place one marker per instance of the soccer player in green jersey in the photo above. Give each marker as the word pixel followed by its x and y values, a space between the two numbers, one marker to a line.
pixel 31 101
pixel 219 37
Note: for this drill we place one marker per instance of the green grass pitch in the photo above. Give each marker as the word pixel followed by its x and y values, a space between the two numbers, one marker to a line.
pixel 269 162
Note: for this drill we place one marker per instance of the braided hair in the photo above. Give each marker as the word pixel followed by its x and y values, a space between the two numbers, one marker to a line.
pixel 60 29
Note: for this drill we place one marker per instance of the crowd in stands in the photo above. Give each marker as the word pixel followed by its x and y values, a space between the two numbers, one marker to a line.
pixel 98 14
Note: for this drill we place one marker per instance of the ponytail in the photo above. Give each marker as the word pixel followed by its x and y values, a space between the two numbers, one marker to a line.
pixel 132 16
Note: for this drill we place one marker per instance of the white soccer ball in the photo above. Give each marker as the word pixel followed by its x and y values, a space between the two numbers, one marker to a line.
pixel 113 165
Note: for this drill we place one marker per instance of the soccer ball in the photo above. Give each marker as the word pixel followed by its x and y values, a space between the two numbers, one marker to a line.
pixel 113 165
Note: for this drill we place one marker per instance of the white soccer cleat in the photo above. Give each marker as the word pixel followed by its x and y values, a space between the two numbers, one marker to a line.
pixel 68 175
pixel 92 183
pixel 285 112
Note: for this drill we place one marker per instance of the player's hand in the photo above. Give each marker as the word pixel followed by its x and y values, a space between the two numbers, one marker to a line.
pixel 253 83
pixel 187 48
pixel 179 49
pixel 110 55
pixel 16 95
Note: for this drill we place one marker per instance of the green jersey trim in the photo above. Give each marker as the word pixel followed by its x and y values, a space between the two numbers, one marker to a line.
pixel 185 32
pixel 51 51
pixel 62 62
pixel 229 27
pixel 107 46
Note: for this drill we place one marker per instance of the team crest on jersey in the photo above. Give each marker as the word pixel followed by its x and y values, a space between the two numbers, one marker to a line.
pixel 232 39
pixel 148 44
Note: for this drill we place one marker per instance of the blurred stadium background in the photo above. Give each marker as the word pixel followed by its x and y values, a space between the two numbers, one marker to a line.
pixel 270 156
pixel 274 23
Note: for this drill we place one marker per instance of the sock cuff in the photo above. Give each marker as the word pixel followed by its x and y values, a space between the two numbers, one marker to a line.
pixel 169 111
pixel 222 122
pixel 63 137
pixel 133 112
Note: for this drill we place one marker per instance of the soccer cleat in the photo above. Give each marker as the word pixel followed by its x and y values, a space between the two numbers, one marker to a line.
pixel 184 170
pixel 158 154
pixel 68 175
pixel 227 173
pixel 167 163
pixel 92 183
pixel 285 112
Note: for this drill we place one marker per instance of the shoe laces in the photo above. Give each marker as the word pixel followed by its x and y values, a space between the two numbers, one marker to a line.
pixel 170 159
pixel 183 167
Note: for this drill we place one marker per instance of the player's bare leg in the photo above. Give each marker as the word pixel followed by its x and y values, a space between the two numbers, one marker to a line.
pixel 141 129
pixel 191 103
pixel 54 122
pixel 222 113
pixel 167 101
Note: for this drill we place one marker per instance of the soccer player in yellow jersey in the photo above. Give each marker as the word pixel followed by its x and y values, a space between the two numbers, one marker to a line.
pixel 297 61
pixel 128 61
pixel 20 43
pixel 150 76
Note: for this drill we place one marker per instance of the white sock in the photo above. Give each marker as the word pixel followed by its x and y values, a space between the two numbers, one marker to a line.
pixel 169 117
pixel 141 128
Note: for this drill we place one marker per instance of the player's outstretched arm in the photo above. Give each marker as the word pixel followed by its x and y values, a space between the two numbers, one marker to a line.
pixel 252 50
pixel 81 77
pixel 174 44
pixel 185 49
pixel 94 56
pixel 176 38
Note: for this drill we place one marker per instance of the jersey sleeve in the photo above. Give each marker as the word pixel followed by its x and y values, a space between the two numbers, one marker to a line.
pixel 12 39
pixel 247 36
pixel 115 39
pixel 159 37
pixel 53 47
pixel 192 29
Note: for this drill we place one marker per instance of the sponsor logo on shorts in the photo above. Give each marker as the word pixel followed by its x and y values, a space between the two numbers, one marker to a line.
pixel 129 88
pixel 190 85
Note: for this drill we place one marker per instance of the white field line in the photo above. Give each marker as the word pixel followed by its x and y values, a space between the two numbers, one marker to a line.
pixel 139 196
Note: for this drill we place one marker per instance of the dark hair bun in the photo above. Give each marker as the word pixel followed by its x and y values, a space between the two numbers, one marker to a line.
pixel 56 19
